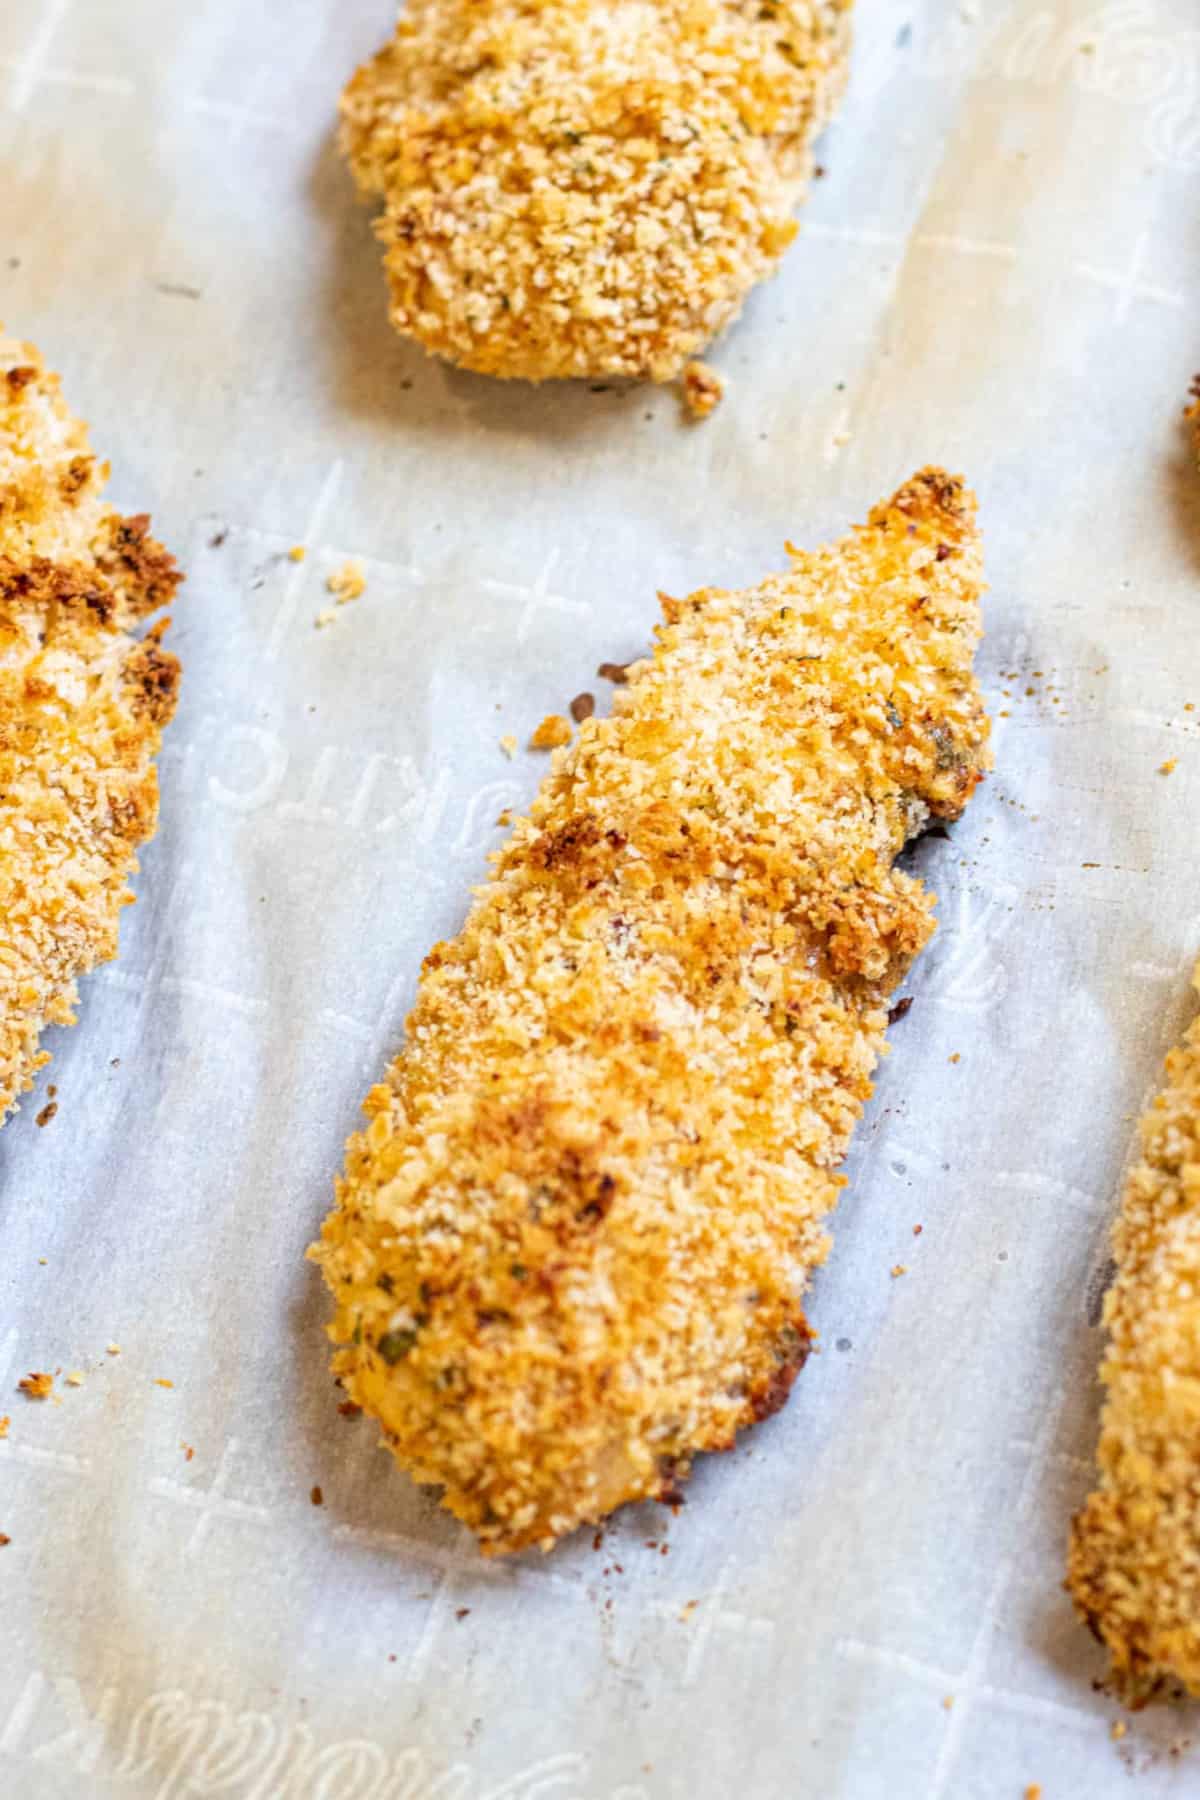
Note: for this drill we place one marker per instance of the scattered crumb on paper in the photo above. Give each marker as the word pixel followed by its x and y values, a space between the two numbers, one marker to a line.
pixel 703 389
pixel 348 582
pixel 553 731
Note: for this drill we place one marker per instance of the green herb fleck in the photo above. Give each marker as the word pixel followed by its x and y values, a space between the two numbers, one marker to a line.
pixel 394 1346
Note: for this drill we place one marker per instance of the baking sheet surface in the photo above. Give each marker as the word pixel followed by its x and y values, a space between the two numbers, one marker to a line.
pixel 996 272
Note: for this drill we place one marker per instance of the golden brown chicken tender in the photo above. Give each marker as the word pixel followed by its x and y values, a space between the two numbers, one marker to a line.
pixel 1134 1565
pixel 569 1248
pixel 82 706
pixel 589 187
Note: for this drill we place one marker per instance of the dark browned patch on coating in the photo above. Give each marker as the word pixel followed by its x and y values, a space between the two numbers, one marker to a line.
pixel 137 564
pixel 568 845
pixel 154 673
pixel 771 1397
pixel 54 587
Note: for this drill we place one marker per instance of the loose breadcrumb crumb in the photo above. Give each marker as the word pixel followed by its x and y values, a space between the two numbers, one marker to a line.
pixel 74 1378
pixel 163 1382
pixel 113 1349
pixel 899 1269
pixel 82 704
pixel 588 188
pixel 568 1247
pixel 325 617
pixel 703 389
pixel 1168 767
pixel 5 1422
pixel 1134 1563
pixel 5 1540
pixel 297 553
pixel 508 744
pixel 1119 1728
pixel 553 731
pixel 348 582
pixel 36 1386
pixel 1034 1791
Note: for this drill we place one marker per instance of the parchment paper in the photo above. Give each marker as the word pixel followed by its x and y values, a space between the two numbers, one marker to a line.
pixel 996 272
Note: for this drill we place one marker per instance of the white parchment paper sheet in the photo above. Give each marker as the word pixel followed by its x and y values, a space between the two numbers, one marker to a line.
pixel 997 272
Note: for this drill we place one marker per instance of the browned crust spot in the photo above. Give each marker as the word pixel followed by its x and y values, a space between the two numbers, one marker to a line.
pixel 138 568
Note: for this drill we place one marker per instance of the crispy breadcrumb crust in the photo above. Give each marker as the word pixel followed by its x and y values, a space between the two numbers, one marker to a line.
pixel 82 706
pixel 568 1249
pixel 588 187
pixel 1134 1562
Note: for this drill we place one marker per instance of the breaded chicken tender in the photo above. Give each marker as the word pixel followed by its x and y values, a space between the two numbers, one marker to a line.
pixel 568 1250
pixel 82 706
pixel 1134 1564
pixel 589 187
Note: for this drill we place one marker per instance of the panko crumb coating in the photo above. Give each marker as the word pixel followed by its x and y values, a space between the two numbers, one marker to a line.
pixel 589 187
pixel 1134 1563
pixel 82 706
pixel 568 1249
